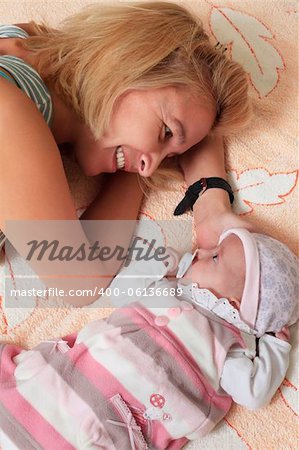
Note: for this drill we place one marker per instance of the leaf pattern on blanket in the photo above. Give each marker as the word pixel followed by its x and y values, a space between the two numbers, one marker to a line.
pixel 19 308
pixel 289 394
pixel 3 320
pixel 248 41
pixel 260 187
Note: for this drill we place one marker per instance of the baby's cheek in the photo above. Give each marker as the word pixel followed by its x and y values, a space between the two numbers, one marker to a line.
pixel 203 274
pixel 239 286
pixel 194 273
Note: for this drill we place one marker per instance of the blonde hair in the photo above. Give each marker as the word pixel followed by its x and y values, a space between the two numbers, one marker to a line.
pixel 103 51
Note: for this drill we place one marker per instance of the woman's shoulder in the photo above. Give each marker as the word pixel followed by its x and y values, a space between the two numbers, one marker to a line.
pixel 20 120
pixel 13 31
pixel 25 77
pixel 15 106
pixel 12 99
pixel 28 28
pixel 30 82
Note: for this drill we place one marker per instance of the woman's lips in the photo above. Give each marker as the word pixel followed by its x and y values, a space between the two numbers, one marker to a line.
pixel 123 162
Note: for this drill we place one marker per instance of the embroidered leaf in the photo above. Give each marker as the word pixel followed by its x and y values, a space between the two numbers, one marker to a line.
pixel 247 39
pixel 15 308
pixel 290 397
pixel 226 433
pixel 258 186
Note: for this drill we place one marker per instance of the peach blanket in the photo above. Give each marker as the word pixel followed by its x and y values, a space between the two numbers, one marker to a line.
pixel 262 164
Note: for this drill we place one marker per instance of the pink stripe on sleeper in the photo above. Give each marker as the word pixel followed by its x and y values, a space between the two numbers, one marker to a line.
pixel 182 356
pixel 165 339
pixel 167 342
pixel 21 409
pixel 177 444
pixel 108 385
pixel 7 366
pixel 144 365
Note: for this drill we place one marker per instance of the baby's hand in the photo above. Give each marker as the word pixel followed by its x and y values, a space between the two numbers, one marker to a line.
pixel 172 261
pixel 284 334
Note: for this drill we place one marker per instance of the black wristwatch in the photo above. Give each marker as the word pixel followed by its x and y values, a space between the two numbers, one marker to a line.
pixel 198 188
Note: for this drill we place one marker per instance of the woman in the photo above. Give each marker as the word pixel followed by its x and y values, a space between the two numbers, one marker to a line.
pixel 129 85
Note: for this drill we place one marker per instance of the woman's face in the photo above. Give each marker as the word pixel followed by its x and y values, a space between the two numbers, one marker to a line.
pixel 146 127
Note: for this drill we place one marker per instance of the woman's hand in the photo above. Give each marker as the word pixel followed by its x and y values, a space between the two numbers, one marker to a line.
pixel 212 211
pixel 212 222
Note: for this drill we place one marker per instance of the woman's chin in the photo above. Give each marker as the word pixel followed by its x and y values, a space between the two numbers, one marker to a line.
pixel 91 170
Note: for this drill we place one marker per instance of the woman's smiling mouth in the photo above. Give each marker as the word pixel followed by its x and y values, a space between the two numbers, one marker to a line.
pixel 120 158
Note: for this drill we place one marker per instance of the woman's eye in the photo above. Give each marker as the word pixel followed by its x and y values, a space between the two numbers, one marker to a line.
pixel 167 132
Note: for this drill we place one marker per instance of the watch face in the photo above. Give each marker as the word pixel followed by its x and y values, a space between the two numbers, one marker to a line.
pixel 185 263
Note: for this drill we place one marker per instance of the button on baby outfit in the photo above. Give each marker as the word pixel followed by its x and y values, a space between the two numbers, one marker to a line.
pixel 161 321
pixel 186 306
pixel 174 312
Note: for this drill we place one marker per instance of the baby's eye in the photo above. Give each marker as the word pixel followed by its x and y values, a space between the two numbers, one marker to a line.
pixel 215 257
pixel 167 132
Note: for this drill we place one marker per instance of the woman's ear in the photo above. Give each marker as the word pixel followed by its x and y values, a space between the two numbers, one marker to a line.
pixel 235 302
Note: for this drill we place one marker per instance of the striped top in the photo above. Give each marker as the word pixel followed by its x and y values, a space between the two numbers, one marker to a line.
pixel 26 78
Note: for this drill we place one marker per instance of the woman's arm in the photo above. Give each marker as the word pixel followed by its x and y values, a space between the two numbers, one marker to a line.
pixel 212 211
pixel 33 187
pixel 117 210
pixel 121 201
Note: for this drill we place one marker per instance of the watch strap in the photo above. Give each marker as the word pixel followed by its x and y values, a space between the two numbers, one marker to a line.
pixel 197 189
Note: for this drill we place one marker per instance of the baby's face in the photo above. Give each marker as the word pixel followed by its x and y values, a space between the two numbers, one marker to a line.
pixel 221 270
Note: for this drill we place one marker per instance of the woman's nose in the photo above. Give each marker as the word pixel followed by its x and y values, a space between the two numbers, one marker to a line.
pixel 148 163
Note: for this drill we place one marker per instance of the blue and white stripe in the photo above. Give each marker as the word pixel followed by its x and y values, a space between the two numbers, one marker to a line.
pixel 27 79
pixel 25 76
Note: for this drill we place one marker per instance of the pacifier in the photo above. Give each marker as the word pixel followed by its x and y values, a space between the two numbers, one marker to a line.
pixel 185 263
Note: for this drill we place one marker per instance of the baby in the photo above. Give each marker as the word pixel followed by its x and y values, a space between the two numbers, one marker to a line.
pixel 164 369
